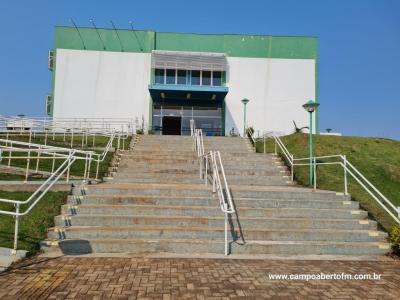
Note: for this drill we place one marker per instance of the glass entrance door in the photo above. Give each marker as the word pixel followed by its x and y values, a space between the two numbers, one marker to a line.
pixel 208 118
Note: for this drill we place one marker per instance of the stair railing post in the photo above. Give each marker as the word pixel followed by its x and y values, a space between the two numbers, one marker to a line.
pixel 88 171
pixel 97 167
pixel 315 174
pixel 38 160
pixel 226 233
pixel 206 169
pixel 69 157
pixel 9 154
pixel 86 164
pixel 16 228
pixel 265 151
pixel 27 166
pixel 345 173
pixel 52 166
pixel 292 167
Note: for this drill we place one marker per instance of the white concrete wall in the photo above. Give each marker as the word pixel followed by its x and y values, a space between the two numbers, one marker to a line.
pixel 277 89
pixel 100 84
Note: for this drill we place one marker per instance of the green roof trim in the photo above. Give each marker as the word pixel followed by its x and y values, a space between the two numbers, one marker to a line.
pixel 236 45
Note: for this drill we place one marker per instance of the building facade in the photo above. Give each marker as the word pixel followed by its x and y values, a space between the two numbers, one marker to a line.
pixel 163 80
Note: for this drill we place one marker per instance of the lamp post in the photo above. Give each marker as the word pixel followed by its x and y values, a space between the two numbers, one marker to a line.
pixel 244 101
pixel 310 106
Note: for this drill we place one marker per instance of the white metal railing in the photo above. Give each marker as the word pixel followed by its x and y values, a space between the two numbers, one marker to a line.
pixel 121 125
pixel 36 196
pixel 347 167
pixel 211 168
pixel 17 150
pixel 39 152
pixel 67 136
pixel 102 156
pixel 28 151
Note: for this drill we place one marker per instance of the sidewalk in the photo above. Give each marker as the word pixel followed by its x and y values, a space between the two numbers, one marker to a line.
pixel 173 278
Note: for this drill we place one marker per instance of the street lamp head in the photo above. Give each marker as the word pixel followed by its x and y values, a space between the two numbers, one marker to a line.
pixel 245 101
pixel 310 106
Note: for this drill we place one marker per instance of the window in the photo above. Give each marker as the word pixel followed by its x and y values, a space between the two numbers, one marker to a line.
pixel 50 61
pixel 159 76
pixel 217 78
pixel 206 78
pixel 195 78
pixel 48 104
pixel 181 76
pixel 170 79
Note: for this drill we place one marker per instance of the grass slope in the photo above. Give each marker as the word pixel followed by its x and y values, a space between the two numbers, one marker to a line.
pixel 377 159
pixel 33 227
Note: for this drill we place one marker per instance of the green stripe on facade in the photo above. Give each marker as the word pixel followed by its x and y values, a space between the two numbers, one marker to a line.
pixel 236 45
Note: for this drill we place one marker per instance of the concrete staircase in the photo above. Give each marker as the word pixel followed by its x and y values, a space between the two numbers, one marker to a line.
pixel 156 203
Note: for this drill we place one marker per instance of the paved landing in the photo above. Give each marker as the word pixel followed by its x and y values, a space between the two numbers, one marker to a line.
pixel 169 278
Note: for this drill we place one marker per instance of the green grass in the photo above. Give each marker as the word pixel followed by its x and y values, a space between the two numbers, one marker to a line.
pixel 377 159
pixel 33 227
pixel 77 169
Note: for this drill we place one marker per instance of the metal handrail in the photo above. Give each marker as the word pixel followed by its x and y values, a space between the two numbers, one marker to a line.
pixel 55 153
pixel 347 168
pixel 122 125
pixel 39 148
pixel 101 157
pixel 72 133
pixel 211 164
pixel 36 196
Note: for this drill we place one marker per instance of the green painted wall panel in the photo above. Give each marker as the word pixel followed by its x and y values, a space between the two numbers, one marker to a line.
pixel 230 44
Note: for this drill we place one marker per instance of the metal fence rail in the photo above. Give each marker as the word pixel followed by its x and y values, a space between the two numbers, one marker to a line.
pixel 36 196
pixel 17 150
pixel 212 169
pixel 121 125
pixel 348 168
pixel 39 152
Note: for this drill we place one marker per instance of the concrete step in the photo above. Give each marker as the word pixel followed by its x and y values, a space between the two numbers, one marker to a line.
pixel 149 177
pixel 191 221
pixel 157 203
pixel 289 193
pixel 158 157
pixel 127 172
pixel 160 160
pixel 171 153
pixel 210 211
pixel 151 189
pixel 208 201
pixel 207 246
pixel 194 161
pixel 154 232
pixel 132 171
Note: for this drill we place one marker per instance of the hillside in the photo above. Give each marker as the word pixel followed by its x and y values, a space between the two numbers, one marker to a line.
pixel 378 160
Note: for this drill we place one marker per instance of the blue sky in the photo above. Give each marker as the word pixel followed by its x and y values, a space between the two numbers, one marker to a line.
pixel 359 47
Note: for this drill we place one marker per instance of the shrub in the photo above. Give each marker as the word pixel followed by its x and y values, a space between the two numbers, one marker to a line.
pixel 395 239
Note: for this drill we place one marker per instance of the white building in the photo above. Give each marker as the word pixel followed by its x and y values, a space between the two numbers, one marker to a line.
pixel 163 80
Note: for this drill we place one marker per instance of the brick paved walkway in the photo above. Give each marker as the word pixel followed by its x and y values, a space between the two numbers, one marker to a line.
pixel 166 278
